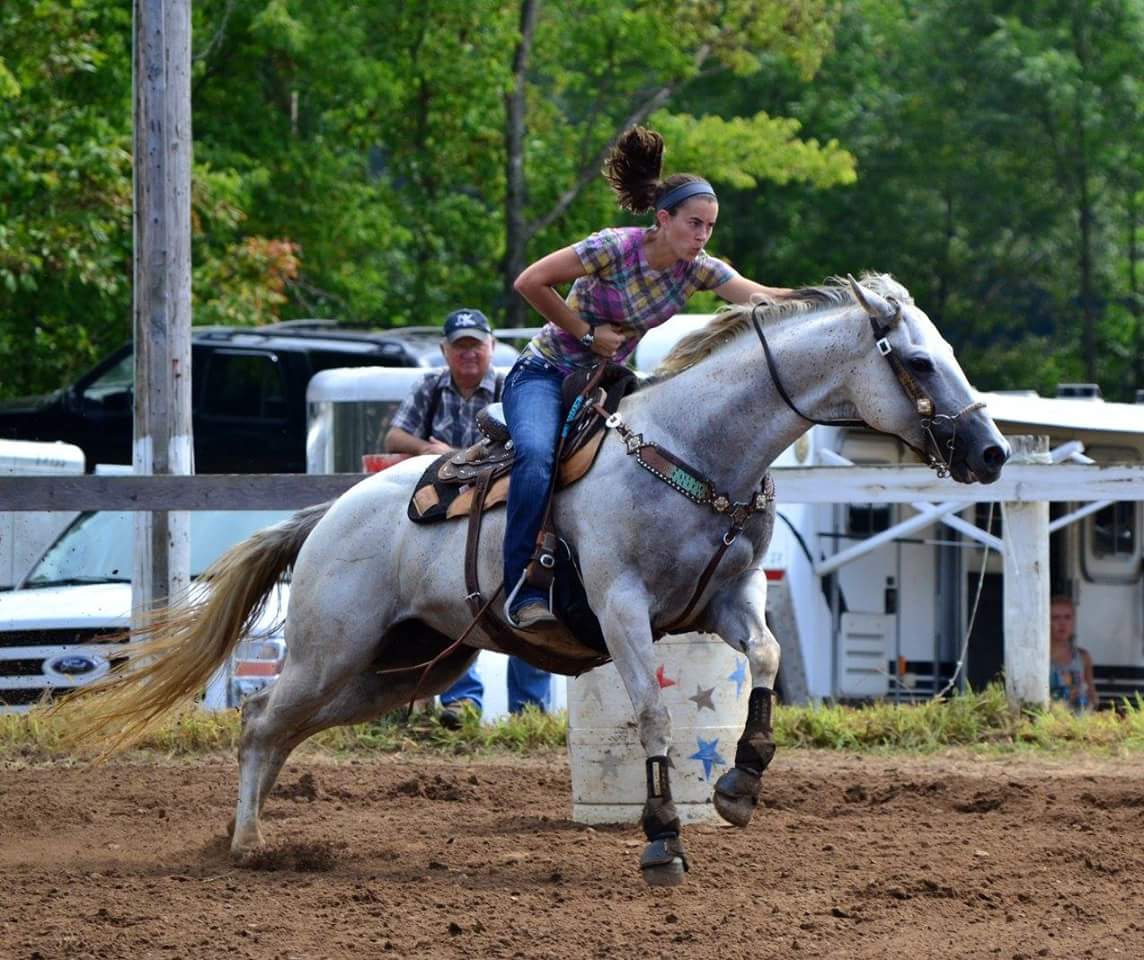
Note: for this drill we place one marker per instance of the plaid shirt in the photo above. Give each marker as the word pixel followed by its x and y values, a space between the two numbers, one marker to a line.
pixel 455 419
pixel 619 287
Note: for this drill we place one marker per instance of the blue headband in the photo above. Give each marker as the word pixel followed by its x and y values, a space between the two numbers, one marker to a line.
pixel 685 191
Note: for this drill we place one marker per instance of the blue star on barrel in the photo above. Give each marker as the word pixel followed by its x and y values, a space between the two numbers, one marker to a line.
pixel 708 755
pixel 739 677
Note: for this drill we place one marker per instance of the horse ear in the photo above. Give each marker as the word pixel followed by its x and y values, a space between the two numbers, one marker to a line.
pixel 874 304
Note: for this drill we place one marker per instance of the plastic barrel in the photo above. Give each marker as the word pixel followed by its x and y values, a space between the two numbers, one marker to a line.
pixel 705 686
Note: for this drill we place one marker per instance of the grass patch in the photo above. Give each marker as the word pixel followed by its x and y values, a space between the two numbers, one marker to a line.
pixel 968 720
pixel 34 736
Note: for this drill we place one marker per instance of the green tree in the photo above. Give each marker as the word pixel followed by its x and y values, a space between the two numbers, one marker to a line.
pixel 66 201
pixel 416 153
pixel 65 187
pixel 960 190
pixel 1071 66
pixel 584 73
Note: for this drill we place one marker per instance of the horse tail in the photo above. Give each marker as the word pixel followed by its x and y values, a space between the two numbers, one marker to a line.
pixel 180 645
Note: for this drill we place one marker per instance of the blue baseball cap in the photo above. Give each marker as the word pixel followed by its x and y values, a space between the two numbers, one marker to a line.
pixel 467 323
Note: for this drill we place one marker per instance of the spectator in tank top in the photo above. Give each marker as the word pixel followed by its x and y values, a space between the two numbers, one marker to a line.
pixel 1070 667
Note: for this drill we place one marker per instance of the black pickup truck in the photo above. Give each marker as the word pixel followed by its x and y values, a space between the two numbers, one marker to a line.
pixel 248 387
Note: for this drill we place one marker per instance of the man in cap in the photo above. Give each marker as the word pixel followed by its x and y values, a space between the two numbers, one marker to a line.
pixel 440 416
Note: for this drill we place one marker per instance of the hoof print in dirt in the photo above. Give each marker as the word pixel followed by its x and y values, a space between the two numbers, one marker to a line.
pixel 308 856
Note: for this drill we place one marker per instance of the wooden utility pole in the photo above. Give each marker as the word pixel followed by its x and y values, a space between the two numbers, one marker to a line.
pixel 162 292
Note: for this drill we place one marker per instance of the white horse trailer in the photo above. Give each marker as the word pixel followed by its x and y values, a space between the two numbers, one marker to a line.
pixel 873 604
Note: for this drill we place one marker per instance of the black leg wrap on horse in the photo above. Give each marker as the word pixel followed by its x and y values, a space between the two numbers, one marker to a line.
pixel 756 747
pixel 737 791
pixel 659 817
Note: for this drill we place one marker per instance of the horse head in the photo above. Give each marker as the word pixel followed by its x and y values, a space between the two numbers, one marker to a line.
pixel 910 384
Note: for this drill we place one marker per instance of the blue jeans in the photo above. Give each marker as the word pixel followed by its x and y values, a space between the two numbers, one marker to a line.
pixel 527 684
pixel 533 411
pixel 467 687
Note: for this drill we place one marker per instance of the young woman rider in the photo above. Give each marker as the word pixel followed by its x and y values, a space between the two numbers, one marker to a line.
pixel 625 281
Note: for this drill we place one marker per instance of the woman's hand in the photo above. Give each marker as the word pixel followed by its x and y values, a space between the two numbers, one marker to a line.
pixel 607 340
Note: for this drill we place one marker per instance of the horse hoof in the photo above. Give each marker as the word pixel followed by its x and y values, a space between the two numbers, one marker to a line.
pixel 240 846
pixel 664 862
pixel 665 874
pixel 737 811
pixel 737 795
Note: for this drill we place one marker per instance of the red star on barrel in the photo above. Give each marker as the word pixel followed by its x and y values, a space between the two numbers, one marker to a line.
pixel 663 681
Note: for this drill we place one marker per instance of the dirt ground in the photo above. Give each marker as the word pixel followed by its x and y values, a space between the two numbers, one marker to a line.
pixel 851 857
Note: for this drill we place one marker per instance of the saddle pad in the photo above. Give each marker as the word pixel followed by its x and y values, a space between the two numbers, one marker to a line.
pixel 445 490
pixel 434 500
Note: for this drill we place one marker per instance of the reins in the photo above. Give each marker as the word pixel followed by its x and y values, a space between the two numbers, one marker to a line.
pixel 924 404
pixel 699 489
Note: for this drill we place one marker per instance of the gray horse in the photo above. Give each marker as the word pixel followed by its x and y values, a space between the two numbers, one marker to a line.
pixel 372 596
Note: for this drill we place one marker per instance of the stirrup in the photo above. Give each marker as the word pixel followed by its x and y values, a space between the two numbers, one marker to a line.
pixel 512 596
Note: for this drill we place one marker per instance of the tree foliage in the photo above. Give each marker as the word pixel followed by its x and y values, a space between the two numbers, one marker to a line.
pixel 383 163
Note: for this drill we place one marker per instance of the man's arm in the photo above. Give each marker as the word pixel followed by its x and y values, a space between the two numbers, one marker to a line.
pixel 410 424
pixel 400 441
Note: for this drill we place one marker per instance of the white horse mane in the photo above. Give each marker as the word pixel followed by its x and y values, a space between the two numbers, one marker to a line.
pixel 732 320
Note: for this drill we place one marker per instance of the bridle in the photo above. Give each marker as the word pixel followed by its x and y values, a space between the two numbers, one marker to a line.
pixel 923 403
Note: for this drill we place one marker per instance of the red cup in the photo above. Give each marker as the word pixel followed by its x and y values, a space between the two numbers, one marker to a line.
pixel 376 462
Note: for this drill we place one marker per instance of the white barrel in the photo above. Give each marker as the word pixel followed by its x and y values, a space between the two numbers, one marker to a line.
pixel 705 686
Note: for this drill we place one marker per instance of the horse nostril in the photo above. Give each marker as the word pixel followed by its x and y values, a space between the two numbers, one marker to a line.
pixel 995 457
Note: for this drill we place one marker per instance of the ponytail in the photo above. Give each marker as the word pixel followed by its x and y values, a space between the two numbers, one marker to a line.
pixel 632 169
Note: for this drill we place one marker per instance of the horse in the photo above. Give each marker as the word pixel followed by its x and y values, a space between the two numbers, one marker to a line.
pixel 374 597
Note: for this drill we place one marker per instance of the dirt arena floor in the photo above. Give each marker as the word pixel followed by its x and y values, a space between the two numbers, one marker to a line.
pixel 851 857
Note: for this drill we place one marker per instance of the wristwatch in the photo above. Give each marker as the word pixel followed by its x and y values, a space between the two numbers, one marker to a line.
pixel 588 339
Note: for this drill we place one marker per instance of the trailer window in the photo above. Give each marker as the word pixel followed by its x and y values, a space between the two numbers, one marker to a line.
pixel 1113 531
pixel 866 519
pixel 1112 543
pixel 860 447
pixel 1111 550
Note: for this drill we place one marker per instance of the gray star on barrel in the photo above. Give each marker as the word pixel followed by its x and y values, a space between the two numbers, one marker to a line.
pixel 593 689
pixel 703 699
pixel 610 765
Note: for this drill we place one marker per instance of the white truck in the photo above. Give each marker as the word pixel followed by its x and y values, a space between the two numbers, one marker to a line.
pixel 62 625
pixel 25 535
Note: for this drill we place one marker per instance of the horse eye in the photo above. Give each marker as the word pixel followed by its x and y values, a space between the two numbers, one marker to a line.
pixel 921 364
